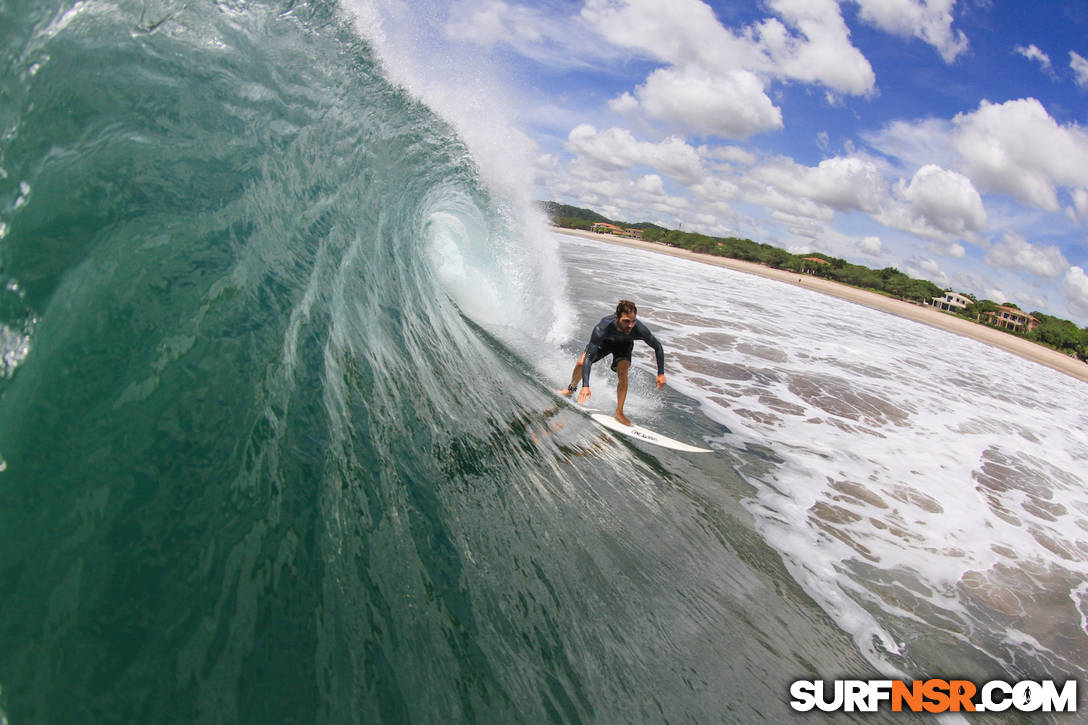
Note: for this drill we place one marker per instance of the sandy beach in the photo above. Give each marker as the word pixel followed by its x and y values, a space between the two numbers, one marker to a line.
pixel 921 313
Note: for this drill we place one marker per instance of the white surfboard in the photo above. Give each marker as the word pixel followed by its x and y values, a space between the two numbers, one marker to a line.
pixel 644 434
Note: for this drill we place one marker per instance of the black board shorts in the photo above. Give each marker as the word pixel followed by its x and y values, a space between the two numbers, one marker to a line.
pixel 618 351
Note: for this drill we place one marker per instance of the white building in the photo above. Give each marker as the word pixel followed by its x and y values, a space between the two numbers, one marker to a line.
pixel 951 302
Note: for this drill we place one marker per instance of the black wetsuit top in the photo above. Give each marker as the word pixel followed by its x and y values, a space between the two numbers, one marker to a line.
pixel 607 339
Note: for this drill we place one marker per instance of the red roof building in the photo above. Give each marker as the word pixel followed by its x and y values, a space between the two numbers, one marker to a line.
pixel 1011 318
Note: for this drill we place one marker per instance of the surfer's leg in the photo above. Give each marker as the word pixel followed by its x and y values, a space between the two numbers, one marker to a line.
pixel 621 390
pixel 575 377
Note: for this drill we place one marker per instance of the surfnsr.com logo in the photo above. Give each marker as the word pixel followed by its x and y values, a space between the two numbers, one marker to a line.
pixel 933 696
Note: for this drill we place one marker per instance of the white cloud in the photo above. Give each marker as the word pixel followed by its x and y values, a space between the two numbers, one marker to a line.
pixel 1075 287
pixel 617 148
pixel 543 167
pixel 686 33
pixel 947 249
pixel 618 196
pixel 1015 148
pixel 732 154
pixel 716 189
pixel 802 225
pixel 531 30
pixel 945 200
pixel 485 26
pixel 1017 253
pixel 822 53
pixel 937 204
pixel 624 103
pixel 927 20
pixel 1033 53
pixel 829 241
pixel 651 184
pixel 682 32
pixel 1080 202
pixel 934 272
pixel 848 183
pixel 1018 149
pixel 916 143
pixel 714 80
pixel 494 21
pixel 730 105
pixel 792 205
pixel 871 246
pixel 1029 302
pixel 1080 69
pixel 843 183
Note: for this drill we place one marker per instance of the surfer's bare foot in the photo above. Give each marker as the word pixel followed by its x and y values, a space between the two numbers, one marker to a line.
pixel 564 391
pixel 622 418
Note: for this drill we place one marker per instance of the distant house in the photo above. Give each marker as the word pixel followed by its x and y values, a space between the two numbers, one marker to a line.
pixel 951 302
pixel 603 228
pixel 1011 318
pixel 633 233
pixel 812 265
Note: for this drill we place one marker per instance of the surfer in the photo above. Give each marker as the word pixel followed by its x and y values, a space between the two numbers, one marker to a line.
pixel 615 335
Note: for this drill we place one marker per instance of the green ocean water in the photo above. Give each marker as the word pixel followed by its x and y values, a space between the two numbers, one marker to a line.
pixel 259 466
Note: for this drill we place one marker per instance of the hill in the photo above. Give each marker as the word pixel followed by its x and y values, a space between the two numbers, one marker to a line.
pixel 573 217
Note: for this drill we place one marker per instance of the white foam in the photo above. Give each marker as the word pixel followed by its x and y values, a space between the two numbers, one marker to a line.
pixel 14 347
pixel 952 468
pixel 15 342
pixel 24 195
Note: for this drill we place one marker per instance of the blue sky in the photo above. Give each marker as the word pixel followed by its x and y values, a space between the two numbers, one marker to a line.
pixel 947 138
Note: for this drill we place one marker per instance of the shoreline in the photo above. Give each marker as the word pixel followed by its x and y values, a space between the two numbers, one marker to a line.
pixel 919 313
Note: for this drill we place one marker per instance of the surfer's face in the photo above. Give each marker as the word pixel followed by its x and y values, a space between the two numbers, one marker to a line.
pixel 626 322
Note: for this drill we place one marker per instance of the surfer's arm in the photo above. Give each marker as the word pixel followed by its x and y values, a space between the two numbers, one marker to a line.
pixel 587 363
pixel 659 352
pixel 591 353
pixel 591 350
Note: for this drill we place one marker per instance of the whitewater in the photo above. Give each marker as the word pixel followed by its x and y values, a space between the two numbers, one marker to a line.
pixel 278 441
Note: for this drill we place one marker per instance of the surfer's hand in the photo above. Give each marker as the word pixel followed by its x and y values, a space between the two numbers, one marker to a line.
pixel 660 382
pixel 583 395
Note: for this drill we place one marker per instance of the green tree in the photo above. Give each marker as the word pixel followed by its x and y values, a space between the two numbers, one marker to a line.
pixel 980 309
pixel 921 290
pixel 775 257
pixel 1058 333
pixel 794 263
pixel 857 276
pixel 675 238
pixel 573 223
pixel 704 244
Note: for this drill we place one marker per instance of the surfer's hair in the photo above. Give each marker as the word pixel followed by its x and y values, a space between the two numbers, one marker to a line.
pixel 624 307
